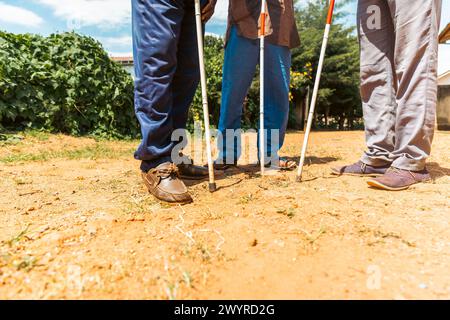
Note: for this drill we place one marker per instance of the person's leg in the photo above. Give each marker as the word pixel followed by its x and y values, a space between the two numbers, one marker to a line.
pixel 416 39
pixel 378 87
pixel 184 86
pixel 187 75
pixel 416 49
pixel 156 31
pixel 241 58
pixel 376 36
pixel 276 91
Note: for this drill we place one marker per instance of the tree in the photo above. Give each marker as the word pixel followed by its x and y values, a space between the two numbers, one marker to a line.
pixel 339 97
pixel 67 83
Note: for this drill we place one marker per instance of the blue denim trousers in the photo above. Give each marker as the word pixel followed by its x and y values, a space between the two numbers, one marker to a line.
pixel 167 73
pixel 241 60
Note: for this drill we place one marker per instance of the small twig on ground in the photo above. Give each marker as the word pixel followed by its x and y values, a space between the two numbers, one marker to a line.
pixel 29 193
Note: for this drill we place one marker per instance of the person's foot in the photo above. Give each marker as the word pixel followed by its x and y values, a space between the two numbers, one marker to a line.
pixel 192 172
pixel 164 183
pixel 397 179
pixel 223 166
pixel 360 169
pixel 284 164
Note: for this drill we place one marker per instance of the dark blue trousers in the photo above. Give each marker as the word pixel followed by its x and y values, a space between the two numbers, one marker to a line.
pixel 167 73
pixel 241 59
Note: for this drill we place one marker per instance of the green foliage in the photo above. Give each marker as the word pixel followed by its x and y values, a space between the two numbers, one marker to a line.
pixel 339 96
pixel 214 55
pixel 63 83
pixel 67 83
pixel 339 90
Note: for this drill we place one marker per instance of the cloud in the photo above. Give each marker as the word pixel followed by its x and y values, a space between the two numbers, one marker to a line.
pixel 444 61
pixel 120 41
pixel 221 13
pixel 120 53
pixel 15 15
pixel 212 34
pixel 107 14
pixel 117 46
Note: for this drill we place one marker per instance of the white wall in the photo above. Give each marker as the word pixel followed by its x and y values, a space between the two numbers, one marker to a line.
pixel 444 80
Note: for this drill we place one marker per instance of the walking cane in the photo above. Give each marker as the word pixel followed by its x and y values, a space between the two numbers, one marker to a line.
pixel 262 34
pixel 316 90
pixel 199 25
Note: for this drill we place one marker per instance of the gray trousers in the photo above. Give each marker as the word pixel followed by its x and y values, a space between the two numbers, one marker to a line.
pixel 399 45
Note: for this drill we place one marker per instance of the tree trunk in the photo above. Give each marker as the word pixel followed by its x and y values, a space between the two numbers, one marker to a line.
pixel 327 113
pixel 298 112
pixel 306 108
pixel 350 121
pixel 341 122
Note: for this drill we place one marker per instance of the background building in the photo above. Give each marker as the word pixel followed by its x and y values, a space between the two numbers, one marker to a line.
pixel 127 63
pixel 443 107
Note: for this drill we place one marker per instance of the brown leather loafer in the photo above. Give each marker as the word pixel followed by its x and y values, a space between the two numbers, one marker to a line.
pixel 192 172
pixel 164 183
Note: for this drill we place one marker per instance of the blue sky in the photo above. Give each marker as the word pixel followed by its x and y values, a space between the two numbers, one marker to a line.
pixel 109 21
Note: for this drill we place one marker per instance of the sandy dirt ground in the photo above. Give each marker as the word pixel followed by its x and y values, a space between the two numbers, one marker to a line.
pixel 77 223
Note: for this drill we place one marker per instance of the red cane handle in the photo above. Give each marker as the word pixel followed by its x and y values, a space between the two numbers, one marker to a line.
pixel 262 32
pixel 330 12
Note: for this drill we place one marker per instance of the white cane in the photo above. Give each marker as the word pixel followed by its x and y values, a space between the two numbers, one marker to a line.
pixel 199 24
pixel 262 144
pixel 316 90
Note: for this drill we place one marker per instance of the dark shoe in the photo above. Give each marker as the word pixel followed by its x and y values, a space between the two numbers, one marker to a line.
pixel 397 179
pixel 192 172
pixel 163 182
pixel 360 169
pixel 223 166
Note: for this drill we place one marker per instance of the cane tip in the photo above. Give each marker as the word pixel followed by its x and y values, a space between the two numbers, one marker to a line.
pixel 212 187
pixel 299 179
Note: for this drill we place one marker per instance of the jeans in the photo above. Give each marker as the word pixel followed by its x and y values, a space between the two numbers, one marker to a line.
pixel 241 60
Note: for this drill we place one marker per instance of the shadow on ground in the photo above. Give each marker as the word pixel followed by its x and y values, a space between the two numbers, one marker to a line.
pixel 437 171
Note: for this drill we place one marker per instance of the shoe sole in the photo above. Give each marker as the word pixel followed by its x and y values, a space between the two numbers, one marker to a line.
pixel 172 201
pixel 376 184
pixel 282 168
pixel 225 168
pixel 361 175
pixel 151 191
pixel 193 178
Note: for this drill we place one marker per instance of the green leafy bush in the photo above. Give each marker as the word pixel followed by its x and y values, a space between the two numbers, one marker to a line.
pixel 64 83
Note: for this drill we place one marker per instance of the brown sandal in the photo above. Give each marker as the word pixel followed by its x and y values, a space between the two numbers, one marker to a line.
pixel 283 165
